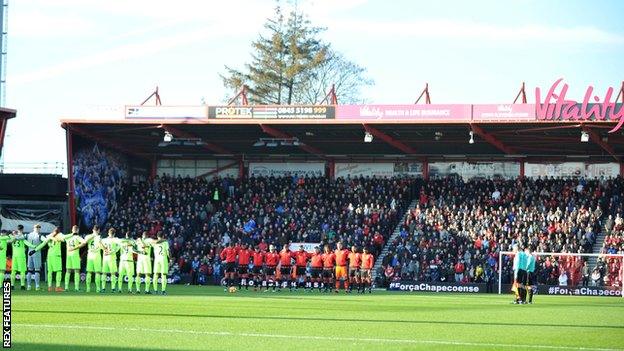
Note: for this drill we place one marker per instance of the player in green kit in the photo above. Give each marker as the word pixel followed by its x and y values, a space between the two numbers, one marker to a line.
pixel 72 257
pixel 4 243
pixel 18 246
pixel 144 262
pixel 126 262
pixel 53 261
pixel 161 262
pixel 110 247
pixel 94 257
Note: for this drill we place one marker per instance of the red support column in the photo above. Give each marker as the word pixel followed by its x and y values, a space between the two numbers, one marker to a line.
pixel 332 169
pixel 621 169
pixel 154 168
pixel 241 168
pixel 426 169
pixel 521 169
pixel 70 176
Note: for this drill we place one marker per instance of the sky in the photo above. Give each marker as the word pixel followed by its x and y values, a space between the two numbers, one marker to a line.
pixel 89 58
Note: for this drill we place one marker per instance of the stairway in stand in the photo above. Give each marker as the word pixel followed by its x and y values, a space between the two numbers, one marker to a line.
pixel 395 234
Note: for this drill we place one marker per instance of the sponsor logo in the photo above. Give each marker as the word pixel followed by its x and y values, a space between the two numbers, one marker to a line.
pixel 556 107
pixel 433 287
pixel 583 291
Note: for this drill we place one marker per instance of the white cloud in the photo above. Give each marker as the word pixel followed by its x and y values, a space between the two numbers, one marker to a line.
pixel 120 53
pixel 44 25
pixel 461 30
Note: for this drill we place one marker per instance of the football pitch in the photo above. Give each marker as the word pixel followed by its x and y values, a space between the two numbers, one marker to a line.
pixel 207 318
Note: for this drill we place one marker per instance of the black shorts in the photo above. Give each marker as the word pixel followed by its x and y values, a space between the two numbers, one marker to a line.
pixel 522 276
pixel 328 273
pixel 285 270
pixel 354 272
pixel 269 270
pixel 257 270
pixel 316 272
pixel 530 278
pixel 301 271
pixel 243 269
pixel 230 267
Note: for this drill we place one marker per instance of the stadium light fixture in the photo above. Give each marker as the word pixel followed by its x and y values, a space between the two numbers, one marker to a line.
pixel 471 141
pixel 168 137
pixel 584 137
pixel 368 137
pixel 259 143
pixel 271 143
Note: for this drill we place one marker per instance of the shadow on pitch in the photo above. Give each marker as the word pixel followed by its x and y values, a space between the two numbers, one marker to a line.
pixel 56 347
pixel 320 319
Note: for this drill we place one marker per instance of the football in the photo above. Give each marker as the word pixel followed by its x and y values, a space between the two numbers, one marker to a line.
pixel 232 289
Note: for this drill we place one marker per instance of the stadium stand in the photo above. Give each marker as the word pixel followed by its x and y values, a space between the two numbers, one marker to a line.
pixel 458 227
pixel 201 216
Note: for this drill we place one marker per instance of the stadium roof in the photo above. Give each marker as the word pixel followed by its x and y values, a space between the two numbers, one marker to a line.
pixel 344 139
pixel 5 115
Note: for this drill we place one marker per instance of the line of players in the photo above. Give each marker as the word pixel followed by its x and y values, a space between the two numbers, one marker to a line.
pixel 101 262
pixel 524 275
pixel 289 269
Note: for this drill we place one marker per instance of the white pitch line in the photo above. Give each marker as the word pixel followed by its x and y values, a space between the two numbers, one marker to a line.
pixel 315 337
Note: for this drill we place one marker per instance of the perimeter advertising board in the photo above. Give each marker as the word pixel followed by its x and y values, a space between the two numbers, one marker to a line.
pixel 469 170
pixel 572 170
pixel 379 170
pixel 276 169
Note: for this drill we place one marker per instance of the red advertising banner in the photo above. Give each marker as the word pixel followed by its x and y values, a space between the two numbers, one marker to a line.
pixel 416 113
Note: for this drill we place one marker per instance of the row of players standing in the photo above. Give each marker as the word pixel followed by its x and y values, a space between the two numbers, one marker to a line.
pixel 289 269
pixel 102 262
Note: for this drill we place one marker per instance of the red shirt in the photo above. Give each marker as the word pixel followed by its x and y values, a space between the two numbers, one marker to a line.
pixel 228 254
pixel 301 258
pixel 258 258
pixel 367 261
pixel 316 261
pixel 341 257
pixel 271 258
pixel 329 259
pixel 243 256
pixel 354 259
pixel 285 257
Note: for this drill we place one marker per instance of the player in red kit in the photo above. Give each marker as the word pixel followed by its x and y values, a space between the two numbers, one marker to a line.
pixel 301 262
pixel 258 261
pixel 271 258
pixel 286 257
pixel 366 271
pixel 342 255
pixel 228 255
pixel 316 268
pixel 329 261
pixel 354 268
pixel 244 257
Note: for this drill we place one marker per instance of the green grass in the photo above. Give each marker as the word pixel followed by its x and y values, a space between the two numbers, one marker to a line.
pixel 206 318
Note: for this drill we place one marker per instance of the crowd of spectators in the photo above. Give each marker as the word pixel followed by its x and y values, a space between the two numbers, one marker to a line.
pixel 458 228
pixel 201 216
pixel 99 180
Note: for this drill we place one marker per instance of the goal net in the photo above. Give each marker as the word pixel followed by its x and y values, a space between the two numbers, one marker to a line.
pixel 568 273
